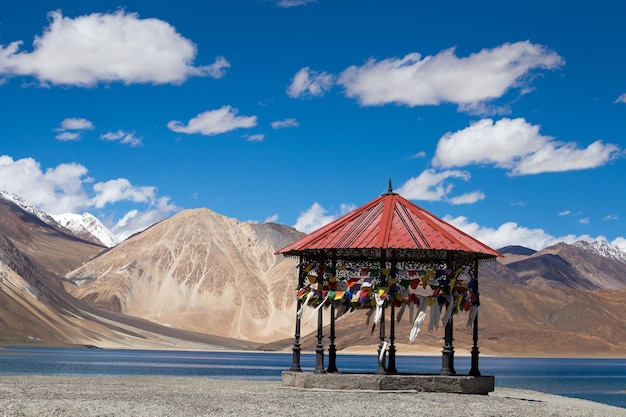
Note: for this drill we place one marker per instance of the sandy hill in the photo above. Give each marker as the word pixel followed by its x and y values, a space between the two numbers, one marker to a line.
pixel 199 271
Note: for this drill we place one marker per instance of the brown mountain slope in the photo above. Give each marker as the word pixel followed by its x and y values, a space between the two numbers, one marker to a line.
pixel 575 266
pixel 48 248
pixel 199 271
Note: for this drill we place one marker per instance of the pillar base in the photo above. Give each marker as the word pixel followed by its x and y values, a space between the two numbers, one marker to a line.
pixel 459 384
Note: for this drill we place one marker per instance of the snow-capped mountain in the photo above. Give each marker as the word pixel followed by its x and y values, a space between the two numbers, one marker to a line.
pixel 603 248
pixel 86 223
pixel 24 205
pixel 84 226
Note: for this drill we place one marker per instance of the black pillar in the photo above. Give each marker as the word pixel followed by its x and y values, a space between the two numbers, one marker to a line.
pixel 332 349
pixel 319 347
pixel 381 345
pixel 382 369
pixel 447 357
pixel 391 367
pixel 295 356
pixel 474 368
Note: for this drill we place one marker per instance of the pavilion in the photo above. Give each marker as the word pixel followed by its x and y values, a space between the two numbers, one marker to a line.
pixel 373 258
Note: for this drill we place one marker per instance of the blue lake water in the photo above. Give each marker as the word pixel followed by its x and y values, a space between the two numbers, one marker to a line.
pixel 600 380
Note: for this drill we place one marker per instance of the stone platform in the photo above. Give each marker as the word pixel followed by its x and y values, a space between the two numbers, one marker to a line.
pixel 460 384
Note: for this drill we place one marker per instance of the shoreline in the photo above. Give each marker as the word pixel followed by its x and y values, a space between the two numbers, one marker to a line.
pixel 348 351
pixel 199 396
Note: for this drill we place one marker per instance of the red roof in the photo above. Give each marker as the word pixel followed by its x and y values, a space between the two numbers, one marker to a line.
pixel 389 222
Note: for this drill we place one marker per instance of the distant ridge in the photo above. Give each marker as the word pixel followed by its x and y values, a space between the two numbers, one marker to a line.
pixel 516 250
pixel 583 265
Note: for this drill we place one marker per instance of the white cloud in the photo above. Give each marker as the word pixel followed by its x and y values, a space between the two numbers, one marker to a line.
pixel 127 138
pixel 67 188
pixel 484 141
pixel 271 219
pixel 565 213
pixel 68 136
pixel 315 217
pixel 611 217
pixel 74 123
pixel 516 145
pixel 584 220
pixel 414 80
pixel 431 185
pixel 55 190
pixel 418 155
pixel 621 99
pixel 281 124
pixel 121 189
pixel 310 83
pixel 468 198
pixel 346 208
pixel 259 137
pixel 511 233
pixel 214 122
pixel 559 157
pixel 136 220
pixel 115 47
pixel 294 3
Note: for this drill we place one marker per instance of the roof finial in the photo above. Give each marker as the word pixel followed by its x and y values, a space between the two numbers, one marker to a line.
pixel 390 189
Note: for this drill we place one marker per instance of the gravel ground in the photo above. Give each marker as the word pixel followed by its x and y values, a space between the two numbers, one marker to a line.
pixel 68 396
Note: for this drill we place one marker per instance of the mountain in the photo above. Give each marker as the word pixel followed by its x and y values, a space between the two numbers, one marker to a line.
pixel 603 248
pixel 200 271
pixel 583 265
pixel 52 249
pixel 87 227
pixel 514 253
pixel 516 250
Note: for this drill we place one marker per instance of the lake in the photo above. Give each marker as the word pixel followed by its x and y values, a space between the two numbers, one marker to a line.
pixel 600 380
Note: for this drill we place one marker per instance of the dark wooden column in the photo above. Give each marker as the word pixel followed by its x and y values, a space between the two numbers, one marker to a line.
pixel 295 356
pixel 447 358
pixel 332 349
pixel 382 369
pixel 381 345
pixel 474 368
pixel 391 366
pixel 319 347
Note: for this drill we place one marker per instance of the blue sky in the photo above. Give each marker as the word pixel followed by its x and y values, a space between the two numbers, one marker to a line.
pixel 505 119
